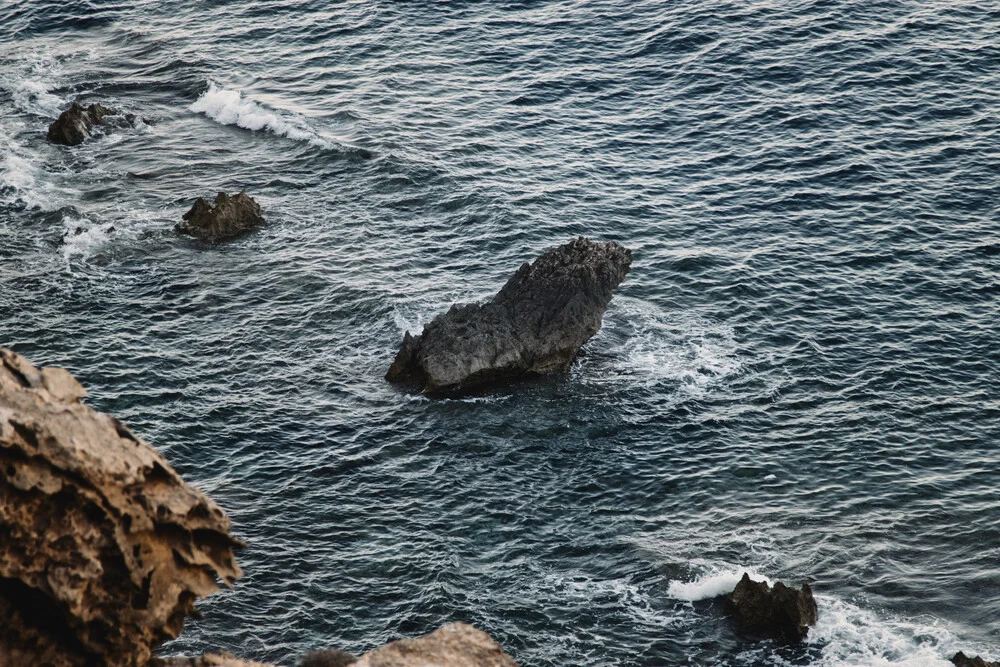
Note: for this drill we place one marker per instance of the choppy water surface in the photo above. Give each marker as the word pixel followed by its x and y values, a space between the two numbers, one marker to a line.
pixel 799 378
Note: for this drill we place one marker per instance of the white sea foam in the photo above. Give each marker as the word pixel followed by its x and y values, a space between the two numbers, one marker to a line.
pixel 714 583
pixel 851 636
pixel 229 107
pixel 83 238
pixel 642 344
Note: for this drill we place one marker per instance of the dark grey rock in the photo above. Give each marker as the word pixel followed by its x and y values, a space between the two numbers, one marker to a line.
pixel 74 124
pixel 535 325
pixel 226 218
pixel 781 612
pixel 962 660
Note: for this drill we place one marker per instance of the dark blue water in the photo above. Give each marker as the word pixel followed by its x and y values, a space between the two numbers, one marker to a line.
pixel 800 378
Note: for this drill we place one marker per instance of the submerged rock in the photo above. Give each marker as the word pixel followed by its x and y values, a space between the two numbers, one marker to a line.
pixel 536 324
pixel 74 124
pixel 781 612
pixel 962 660
pixel 226 218
pixel 103 547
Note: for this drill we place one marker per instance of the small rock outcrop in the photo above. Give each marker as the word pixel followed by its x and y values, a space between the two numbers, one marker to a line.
pixel 962 660
pixel 780 612
pixel 535 325
pixel 103 547
pixel 226 218
pixel 330 657
pixel 74 124
pixel 452 645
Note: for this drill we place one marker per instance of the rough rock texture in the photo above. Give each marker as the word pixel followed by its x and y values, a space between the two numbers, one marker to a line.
pixel 103 547
pixel 780 612
pixel 534 325
pixel 227 218
pixel 962 660
pixel 328 658
pixel 452 645
pixel 224 659
pixel 73 125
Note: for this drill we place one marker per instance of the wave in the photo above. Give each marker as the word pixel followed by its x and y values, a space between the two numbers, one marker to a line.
pixel 229 107
pixel 716 582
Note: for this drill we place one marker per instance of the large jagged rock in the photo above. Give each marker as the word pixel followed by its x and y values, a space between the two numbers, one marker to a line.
pixel 534 325
pixel 226 218
pixel 781 612
pixel 962 660
pixel 74 124
pixel 103 547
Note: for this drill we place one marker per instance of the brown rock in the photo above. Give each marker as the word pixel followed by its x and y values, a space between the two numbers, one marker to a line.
pixel 452 645
pixel 103 547
pixel 74 124
pixel 962 660
pixel 330 657
pixel 227 218
pixel 224 659
pixel 780 612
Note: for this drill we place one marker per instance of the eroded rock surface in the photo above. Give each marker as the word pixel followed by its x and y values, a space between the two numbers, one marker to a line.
pixel 103 547
pixel 226 218
pixel 781 612
pixel 452 645
pixel 536 324
pixel 962 660
pixel 74 124
pixel 223 659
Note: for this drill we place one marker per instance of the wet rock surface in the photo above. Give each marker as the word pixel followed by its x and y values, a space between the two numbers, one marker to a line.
pixel 74 124
pixel 103 547
pixel 224 219
pixel 780 611
pixel 962 660
pixel 535 325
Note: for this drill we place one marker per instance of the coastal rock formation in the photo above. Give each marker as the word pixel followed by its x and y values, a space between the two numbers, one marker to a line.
pixel 224 659
pixel 536 324
pixel 962 660
pixel 226 218
pixel 74 124
pixel 452 645
pixel 780 612
pixel 103 547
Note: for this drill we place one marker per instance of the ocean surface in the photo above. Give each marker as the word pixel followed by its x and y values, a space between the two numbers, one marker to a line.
pixel 800 378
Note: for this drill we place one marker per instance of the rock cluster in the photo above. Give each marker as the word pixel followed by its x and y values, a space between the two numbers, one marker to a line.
pixel 103 547
pixel 535 325
pixel 962 660
pixel 226 218
pixel 74 124
pixel 781 611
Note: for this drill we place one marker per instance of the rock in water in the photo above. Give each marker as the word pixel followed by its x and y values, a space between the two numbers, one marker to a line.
pixel 534 325
pixel 780 612
pixel 962 660
pixel 227 218
pixel 73 125
pixel 103 547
